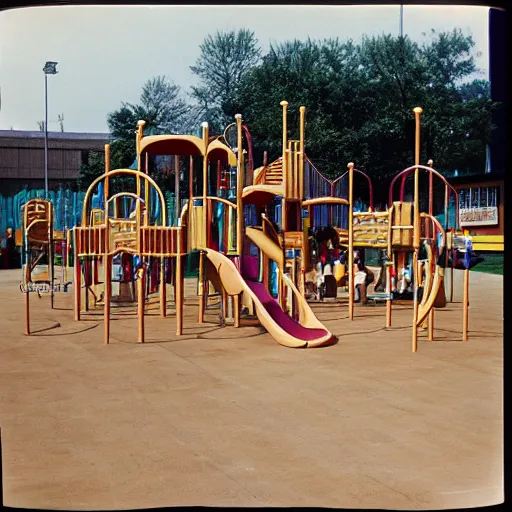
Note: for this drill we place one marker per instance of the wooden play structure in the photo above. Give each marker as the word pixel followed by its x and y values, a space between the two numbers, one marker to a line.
pixel 250 230
pixel 142 233
pixel 241 274
pixel 41 242
pixel 401 232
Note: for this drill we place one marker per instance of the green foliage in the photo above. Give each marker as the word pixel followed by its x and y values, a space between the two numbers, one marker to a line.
pixel 224 60
pixel 121 157
pixel 164 111
pixel 161 107
pixel 360 100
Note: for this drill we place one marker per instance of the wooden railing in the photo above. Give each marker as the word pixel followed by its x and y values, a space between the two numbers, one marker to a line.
pixel 155 241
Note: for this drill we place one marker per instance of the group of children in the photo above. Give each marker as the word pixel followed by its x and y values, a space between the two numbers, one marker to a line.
pixel 330 271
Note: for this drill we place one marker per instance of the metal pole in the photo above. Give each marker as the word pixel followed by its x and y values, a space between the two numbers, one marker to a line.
pixel 401 20
pixel 45 136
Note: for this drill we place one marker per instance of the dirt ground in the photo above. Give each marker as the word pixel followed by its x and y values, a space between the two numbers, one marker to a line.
pixel 227 417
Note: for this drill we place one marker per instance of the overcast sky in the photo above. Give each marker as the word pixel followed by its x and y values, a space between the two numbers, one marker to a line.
pixel 106 53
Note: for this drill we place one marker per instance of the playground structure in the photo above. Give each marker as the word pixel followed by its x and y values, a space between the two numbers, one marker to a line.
pixel 67 208
pixel 143 234
pixel 154 249
pixel 41 241
pixel 401 231
pixel 230 219
pixel 242 274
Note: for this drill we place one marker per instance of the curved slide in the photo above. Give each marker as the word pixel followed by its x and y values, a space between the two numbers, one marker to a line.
pixel 436 290
pixel 284 329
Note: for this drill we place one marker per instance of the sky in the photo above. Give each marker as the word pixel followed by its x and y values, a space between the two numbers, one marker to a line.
pixel 106 53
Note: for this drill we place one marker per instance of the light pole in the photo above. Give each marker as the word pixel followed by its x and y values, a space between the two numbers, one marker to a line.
pixel 50 68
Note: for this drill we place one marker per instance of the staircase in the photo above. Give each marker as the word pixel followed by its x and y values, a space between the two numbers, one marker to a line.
pixel 271 174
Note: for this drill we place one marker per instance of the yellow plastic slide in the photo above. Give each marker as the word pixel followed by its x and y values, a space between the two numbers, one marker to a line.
pixel 436 288
pixel 310 332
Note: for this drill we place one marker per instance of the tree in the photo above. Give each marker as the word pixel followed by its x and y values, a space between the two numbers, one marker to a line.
pixel 225 58
pixel 161 106
pixel 163 109
pixel 360 100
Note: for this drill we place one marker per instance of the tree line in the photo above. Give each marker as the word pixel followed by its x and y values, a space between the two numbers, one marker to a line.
pixel 359 100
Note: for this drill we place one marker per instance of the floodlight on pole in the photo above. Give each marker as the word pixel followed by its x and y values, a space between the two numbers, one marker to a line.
pixel 50 68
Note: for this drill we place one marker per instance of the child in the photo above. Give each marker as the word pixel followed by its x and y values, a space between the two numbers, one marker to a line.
pixel 363 277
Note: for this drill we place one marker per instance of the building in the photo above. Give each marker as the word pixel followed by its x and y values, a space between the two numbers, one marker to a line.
pixel 482 196
pixel 22 158
pixel 481 203
pixel 482 209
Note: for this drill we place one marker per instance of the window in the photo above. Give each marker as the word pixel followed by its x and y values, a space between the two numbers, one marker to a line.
pixel 478 206
pixel 478 197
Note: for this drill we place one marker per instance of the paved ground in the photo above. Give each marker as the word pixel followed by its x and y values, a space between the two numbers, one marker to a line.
pixel 226 416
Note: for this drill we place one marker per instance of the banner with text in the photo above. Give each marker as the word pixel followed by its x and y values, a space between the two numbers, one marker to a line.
pixel 485 216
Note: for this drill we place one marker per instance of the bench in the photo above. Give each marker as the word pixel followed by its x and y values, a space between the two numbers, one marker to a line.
pixel 488 243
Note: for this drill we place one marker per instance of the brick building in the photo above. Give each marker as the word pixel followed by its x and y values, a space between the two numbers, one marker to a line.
pixel 22 158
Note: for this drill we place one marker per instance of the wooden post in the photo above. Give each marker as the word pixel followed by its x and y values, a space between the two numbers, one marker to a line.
pixel 27 312
pixel 239 187
pixel 163 290
pixel 465 318
pixel 141 282
pixel 179 293
pixel 431 324
pixel 416 232
pixel 190 202
pixel 202 288
pixel 205 177
pixel 284 104
pixel 77 283
pixel 430 198
pixel 264 258
pixel 389 287
pixel 281 291
pixel 236 310
pixel 451 277
pixel 108 295
pixel 350 241
pixel 388 301
pixel 415 304
pixel 302 112
pixel 177 199
pixel 224 305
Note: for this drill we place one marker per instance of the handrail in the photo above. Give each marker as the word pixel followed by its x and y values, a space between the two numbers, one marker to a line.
pixel 115 172
pixel 333 183
pixel 432 171
pixel 439 227
pixel 370 186
pixel 130 194
pixel 275 234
